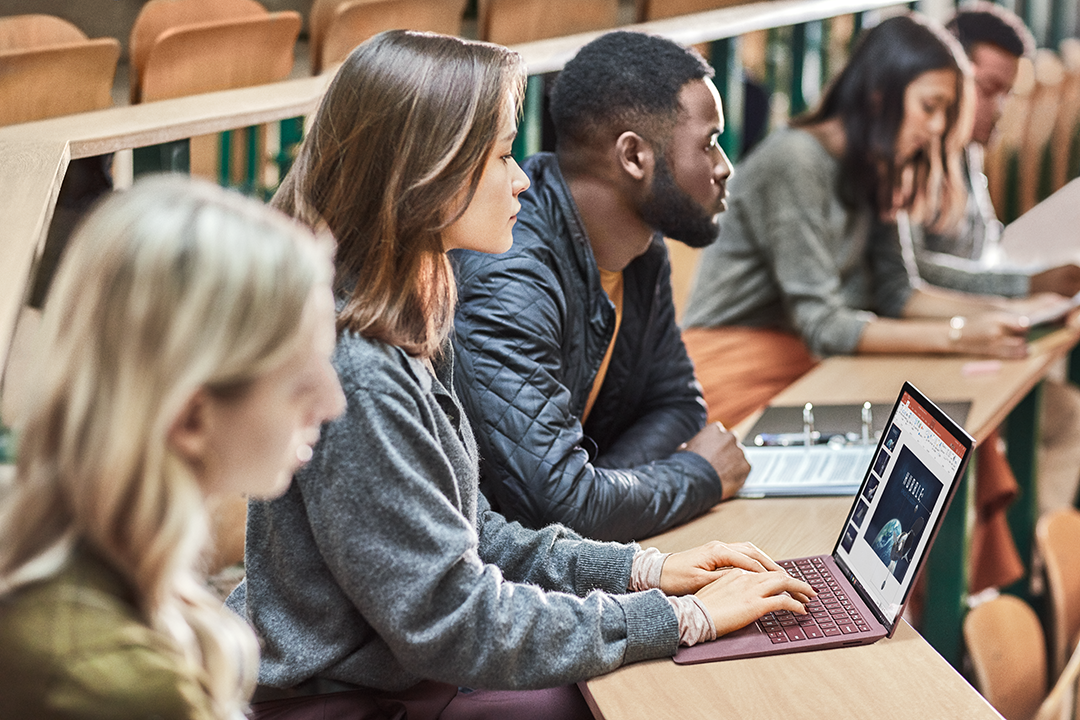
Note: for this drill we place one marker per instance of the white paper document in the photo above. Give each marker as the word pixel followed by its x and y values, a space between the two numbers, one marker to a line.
pixel 816 470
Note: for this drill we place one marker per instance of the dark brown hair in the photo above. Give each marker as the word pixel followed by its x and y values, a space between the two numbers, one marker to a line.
pixel 868 97
pixel 394 157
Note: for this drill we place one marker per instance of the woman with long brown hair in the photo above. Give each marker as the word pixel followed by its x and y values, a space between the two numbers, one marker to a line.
pixel 382 582
pixel 808 262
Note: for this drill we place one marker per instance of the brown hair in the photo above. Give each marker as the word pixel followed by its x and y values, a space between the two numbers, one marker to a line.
pixel 394 157
pixel 868 97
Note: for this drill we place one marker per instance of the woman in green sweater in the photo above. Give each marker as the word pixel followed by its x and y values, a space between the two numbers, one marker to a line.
pixel 188 338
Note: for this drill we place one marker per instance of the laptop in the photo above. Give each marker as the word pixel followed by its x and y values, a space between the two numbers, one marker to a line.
pixel 896 513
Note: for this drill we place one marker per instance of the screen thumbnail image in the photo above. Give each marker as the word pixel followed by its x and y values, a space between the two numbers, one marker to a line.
pixel 903 512
pixel 871 488
pixel 860 513
pixel 849 537
pixel 881 462
pixel 892 437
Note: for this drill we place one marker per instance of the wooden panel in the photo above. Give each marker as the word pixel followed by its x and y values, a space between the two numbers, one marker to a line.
pixel 45 82
pixel 355 21
pixel 27 31
pixel 516 21
pixel 157 16
pixel 657 9
pixel 1068 118
pixel 550 55
pixel 214 56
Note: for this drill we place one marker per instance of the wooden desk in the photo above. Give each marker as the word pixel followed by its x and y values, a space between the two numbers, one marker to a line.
pixel 901 677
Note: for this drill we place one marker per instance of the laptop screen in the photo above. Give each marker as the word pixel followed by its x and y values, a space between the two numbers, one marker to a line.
pixel 918 462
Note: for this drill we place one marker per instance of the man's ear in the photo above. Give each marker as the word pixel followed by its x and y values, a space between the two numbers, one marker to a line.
pixel 635 155
pixel 189 434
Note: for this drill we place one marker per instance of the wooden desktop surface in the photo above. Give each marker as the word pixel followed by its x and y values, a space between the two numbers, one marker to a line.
pixel 900 677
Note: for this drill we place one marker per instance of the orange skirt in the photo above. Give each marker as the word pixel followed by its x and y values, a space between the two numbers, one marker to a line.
pixel 742 368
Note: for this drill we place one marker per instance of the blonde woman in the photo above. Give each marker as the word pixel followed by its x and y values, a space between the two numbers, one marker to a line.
pixel 188 337
pixel 382 582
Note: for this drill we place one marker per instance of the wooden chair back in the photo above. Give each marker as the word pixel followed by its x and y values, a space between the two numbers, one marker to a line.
pixel 157 16
pixel 1057 535
pixel 18 32
pixel 338 27
pixel 1067 125
pixel 39 83
pixel 1061 703
pixel 1008 653
pixel 219 55
pixel 659 9
pixel 1004 148
pixel 509 22
pixel 1034 157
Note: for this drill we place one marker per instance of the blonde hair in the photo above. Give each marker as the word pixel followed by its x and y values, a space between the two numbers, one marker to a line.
pixel 168 288
pixel 394 156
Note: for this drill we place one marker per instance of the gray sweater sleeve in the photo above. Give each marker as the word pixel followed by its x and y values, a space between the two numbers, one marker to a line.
pixel 949 271
pixel 381 583
pixel 554 557
pixel 796 229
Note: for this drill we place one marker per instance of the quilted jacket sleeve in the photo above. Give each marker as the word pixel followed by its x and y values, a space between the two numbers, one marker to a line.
pixel 536 464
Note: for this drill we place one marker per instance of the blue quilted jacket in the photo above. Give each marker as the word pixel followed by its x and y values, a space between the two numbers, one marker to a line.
pixel 531 330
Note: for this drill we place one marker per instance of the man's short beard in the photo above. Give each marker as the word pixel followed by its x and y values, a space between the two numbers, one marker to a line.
pixel 674 213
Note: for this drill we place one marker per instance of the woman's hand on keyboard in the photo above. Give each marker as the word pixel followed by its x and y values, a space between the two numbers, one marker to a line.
pixel 739 597
pixel 689 571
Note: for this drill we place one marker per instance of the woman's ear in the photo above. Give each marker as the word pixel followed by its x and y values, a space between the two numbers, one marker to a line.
pixel 189 434
pixel 635 155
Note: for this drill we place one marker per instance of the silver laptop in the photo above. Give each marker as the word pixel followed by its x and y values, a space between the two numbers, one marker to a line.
pixel 865 583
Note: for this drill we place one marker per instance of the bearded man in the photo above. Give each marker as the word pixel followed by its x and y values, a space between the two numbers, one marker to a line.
pixel 570 364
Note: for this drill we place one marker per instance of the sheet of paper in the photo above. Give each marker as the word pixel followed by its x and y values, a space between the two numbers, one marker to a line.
pixel 817 470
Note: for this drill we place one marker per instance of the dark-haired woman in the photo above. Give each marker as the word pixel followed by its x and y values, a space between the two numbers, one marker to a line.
pixel 382 581
pixel 808 261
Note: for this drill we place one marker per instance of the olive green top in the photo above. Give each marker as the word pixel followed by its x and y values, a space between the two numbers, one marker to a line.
pixel 75 646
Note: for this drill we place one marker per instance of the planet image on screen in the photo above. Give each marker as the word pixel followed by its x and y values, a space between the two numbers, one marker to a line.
pixel 886 538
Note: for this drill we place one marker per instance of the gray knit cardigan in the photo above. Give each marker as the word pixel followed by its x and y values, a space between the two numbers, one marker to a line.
pixel 384 565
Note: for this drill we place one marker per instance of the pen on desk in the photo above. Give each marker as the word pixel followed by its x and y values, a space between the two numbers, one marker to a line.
pixel 867 422
pixel 808 424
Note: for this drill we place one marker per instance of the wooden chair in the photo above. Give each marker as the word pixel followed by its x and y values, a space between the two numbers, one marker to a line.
pixel 1057 535
pixel 659 9
pixel 1002 155
pixel 26 31
pixel 339 26
pixel 509 22
pixel 186 47
pixel 157 16
pixel 219 55
pixel 39 83
pixel 684 262
pixel 50 68
pixel 1008 653
pixel 1067 125
pixel 1034 168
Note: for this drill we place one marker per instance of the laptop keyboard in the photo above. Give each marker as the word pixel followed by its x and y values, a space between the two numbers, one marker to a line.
pixel 829 614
